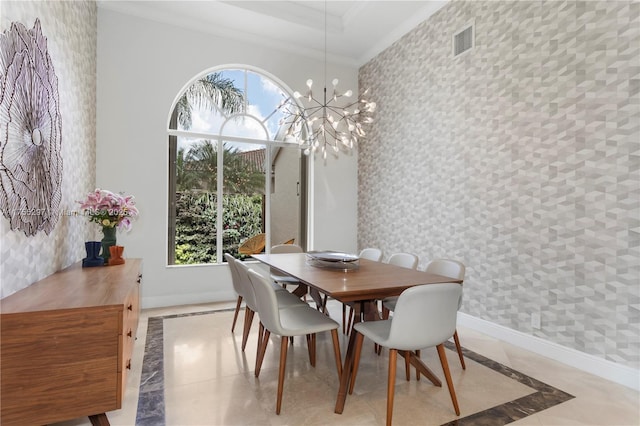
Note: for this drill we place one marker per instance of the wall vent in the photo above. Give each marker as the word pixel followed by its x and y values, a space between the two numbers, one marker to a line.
pixel 463 40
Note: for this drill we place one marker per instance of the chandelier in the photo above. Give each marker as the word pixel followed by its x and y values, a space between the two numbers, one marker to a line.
pixel 327 123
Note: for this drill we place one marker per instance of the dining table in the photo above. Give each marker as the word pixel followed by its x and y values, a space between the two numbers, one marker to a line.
pixel 362 282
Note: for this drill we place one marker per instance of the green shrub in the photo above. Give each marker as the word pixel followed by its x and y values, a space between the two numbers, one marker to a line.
pixel 196 224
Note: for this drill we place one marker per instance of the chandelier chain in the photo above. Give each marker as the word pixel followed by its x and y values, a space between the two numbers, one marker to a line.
pixel 326 126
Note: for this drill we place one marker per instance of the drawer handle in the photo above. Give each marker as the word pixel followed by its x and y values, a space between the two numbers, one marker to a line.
pixel 139 278
pixel 130 333
pixel 130 307
pixel 129 365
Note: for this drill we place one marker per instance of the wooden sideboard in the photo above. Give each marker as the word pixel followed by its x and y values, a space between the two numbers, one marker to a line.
pixel 66 343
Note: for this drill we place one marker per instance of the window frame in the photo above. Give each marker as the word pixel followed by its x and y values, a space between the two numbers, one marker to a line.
pixel 305 166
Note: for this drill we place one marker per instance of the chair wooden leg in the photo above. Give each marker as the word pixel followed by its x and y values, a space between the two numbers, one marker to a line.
pixel 459 349
pixel 235 314
pixel 284 345
pixel 407 364
pixel 264 341
pixel 417 371
pixel 391 384
pixel 248 319
pixel 356 360
pixel 311 347
pixel 344 319
pixel 378 348
pixel 447 376
pixel 260 333
pixel 336 352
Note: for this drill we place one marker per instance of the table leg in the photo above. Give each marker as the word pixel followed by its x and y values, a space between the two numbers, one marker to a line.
pixel 345 379
pixel 300 291
pixel 422 368
pixel 317 298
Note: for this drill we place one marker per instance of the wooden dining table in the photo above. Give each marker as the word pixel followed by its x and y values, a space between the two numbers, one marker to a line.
pixel 368 282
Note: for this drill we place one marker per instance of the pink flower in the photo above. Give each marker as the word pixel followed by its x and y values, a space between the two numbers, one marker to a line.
pixel 109 209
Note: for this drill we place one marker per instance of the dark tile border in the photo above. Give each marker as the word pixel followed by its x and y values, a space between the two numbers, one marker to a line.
pixel 546 396
pixel 150 410
pixel 151 402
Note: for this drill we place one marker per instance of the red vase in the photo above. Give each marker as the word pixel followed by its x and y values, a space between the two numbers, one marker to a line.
pixel 116 255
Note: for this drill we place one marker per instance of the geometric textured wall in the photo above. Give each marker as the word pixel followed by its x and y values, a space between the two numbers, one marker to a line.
pixel 71 32
pixel 520 158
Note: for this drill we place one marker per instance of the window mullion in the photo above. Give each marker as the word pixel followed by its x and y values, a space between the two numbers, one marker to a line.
pixel 267 190
pixel 219 189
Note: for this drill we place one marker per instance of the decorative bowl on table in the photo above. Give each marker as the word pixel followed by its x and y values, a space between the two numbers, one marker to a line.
pixel 333 260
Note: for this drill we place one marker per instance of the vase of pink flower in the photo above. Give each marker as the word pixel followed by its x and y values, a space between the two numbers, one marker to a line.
pixel 111 212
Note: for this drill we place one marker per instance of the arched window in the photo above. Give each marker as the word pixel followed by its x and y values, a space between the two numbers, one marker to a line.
pixel 236 183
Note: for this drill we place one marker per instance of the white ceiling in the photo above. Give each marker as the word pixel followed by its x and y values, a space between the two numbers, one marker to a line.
pixel 356 30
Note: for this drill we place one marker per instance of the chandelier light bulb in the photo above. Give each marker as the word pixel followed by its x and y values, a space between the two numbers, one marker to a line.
pixel 326 122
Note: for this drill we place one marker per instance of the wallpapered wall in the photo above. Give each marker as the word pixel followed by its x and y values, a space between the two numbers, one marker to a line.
pixel 70 29
pixel 521 159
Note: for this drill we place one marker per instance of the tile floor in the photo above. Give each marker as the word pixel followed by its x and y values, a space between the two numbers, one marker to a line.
pixel 208 380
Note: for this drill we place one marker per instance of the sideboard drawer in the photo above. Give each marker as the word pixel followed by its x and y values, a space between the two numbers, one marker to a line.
pixel 69 372
pixel 66 342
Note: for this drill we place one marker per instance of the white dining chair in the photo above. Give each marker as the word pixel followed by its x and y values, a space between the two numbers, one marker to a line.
pixel 237 287
pixel 447 268
pixel 369 253
pixel 404 260
pixel 278 276
pixel 285 299
pixel 284 280
pixel 287 322
pixel 249 299
pixel 425 316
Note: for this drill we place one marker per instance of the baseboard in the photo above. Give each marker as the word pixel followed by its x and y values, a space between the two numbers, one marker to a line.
pixel 609 370
pixel 150 302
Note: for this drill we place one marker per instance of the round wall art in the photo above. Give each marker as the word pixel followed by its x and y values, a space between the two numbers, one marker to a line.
pixel 30 131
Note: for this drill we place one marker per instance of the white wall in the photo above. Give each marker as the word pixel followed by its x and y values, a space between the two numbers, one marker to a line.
pixel 142 67
pixel 70 30
pixel 518 158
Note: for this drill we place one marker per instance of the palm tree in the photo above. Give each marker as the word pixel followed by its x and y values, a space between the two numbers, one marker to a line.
pixel 239 176
pixel 185 179
pixel 207 92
